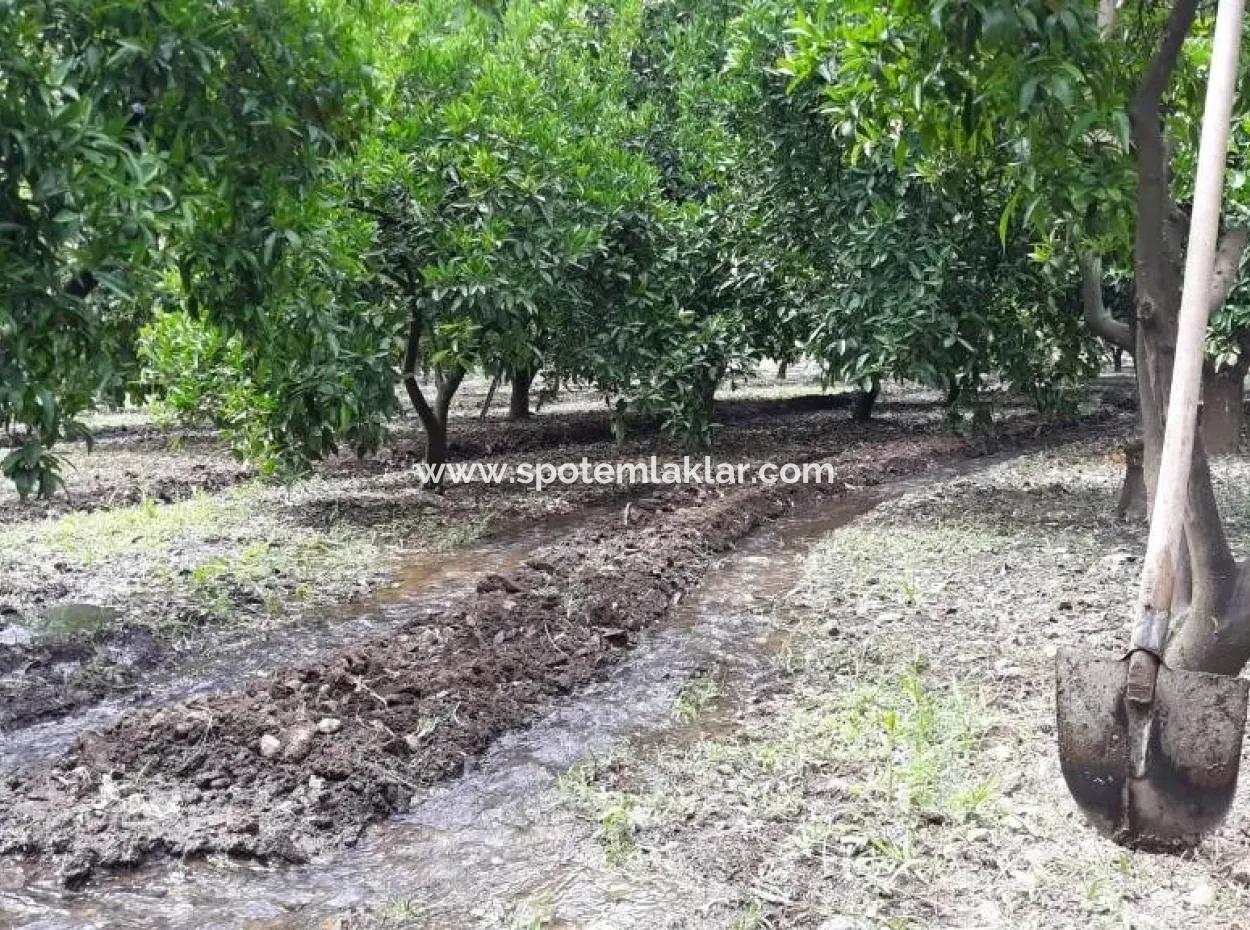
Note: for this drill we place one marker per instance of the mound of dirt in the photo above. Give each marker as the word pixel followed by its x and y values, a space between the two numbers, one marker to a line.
pixel 302 760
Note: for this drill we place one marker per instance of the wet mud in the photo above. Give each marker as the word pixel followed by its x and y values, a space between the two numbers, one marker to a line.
pixel 297 763
pixel 468 850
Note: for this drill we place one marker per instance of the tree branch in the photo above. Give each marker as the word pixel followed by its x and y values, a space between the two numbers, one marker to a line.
pixel 1152 265
pixel 1097 317
pixel 361 207
pixel 447 387
pixel 1108 13
pixel 411 356
pixel 1159 72
pixel 1211 559
pixel 1227 264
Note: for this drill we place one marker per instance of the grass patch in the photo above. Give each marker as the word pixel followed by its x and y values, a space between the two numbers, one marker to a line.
pixel 907 756
pixel 899 566
pixel 614 811
pixel 146 528
pixel 225 557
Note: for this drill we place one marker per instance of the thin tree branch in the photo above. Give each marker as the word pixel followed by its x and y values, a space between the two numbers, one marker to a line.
pixel 361 207
pixel 1097 317
pixel 490 395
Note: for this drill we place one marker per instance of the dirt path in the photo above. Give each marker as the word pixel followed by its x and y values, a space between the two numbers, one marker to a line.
pixel 300 762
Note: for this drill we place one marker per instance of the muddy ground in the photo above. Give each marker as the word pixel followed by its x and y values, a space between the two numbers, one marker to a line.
pixel 302 760
pixel 164 547
pixel 166 550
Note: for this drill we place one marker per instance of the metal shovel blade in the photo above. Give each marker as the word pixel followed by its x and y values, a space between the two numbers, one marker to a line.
pixel 1179 784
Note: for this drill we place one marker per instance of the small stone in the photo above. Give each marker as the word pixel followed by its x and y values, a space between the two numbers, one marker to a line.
pixel 298 744
pixel 329 725
pixel 497 582
pixel 1202 895
pixel 615 637
pixel 890 616
pixel 270 746
pixel 206 779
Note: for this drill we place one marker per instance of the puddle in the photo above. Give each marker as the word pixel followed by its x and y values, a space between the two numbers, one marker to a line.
pixel 499 846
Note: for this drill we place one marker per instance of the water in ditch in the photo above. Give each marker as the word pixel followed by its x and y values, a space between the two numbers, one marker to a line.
pixel 486 848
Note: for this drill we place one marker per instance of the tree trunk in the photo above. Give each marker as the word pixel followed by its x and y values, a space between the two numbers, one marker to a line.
pixel 519 401
pixel 447 382
pixel 435 445
pixel 861 412
pixel 1117 359
pixel 1214 632
pixel 1223 409
pixel 1132 505
pixel 983 414
pixel 433 418
pixel 781 369
pixel 708 395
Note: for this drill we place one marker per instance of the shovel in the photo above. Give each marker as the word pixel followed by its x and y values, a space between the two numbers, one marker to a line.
pixel 1151 753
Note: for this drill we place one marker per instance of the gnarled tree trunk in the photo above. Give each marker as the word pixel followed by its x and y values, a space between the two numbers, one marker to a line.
pixel 1211 603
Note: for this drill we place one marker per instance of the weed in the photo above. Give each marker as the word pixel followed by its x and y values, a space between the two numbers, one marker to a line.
pixel 908 591
pixel 616 831
pixel 402 910
pixel 751 918
pixel 613 811
pixel 698 694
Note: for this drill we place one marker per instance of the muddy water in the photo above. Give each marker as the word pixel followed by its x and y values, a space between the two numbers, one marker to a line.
pixel 423 581
pixel 500 844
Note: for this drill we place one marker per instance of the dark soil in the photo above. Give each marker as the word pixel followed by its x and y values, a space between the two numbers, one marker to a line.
pixel 304 759
pixel 42 681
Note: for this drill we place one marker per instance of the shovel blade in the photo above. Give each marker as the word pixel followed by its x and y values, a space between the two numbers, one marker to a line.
pixel 1192 736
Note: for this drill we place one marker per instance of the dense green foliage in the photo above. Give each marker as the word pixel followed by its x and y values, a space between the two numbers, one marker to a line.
pixel 269 213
